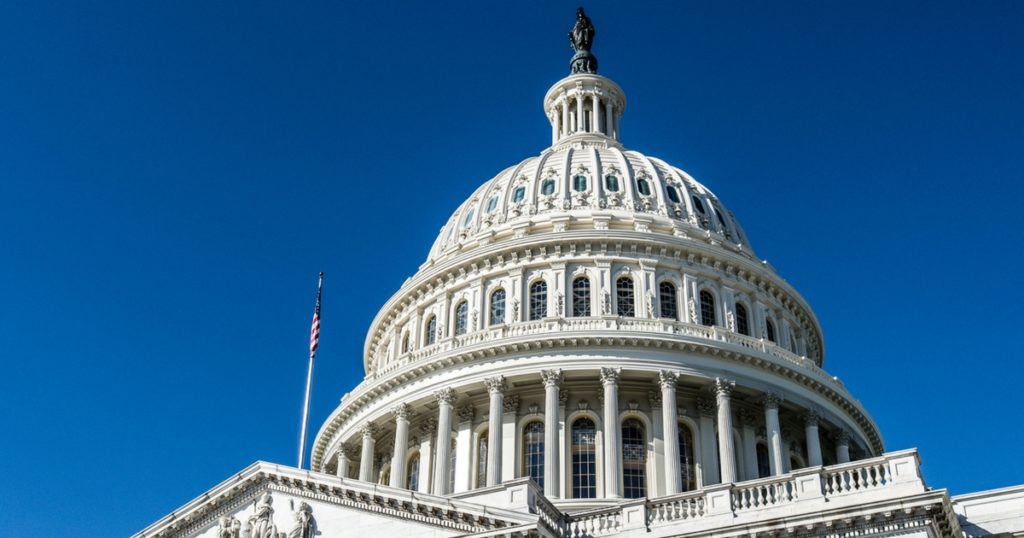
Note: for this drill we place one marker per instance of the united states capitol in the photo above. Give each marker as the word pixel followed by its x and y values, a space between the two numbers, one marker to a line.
pixel 594 348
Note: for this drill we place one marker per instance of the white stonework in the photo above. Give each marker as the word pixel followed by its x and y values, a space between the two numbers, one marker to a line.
pixel 594 319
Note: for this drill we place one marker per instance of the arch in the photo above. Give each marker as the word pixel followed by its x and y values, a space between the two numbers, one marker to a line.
pixel 461 318
pixel 625 297
pixel 668 304
pixel 708 313
pixel 412 471
pixel 634 458
pixel 497 307
pixel 533 451
pixel 538 300
pixel 583 457
pixel 581 297
pixel 431 331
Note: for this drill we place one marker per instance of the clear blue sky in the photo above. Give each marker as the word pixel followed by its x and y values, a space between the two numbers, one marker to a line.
pixel 173 175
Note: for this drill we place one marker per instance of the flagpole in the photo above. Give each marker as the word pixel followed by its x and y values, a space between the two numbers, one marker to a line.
pixel 314 340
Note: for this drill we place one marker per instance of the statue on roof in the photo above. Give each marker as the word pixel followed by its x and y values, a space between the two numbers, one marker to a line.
pixel 582 38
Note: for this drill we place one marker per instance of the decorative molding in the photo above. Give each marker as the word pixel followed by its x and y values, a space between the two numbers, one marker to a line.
pixel 747 417
pixel 511 404
pixel 466 413
pixel 368 430
pixel 495 385
pixel 811 417
pixel 724 387
pixel 667 379
pixel 551 378
pixel 610 376
pixel 654 399
pixel 402 411
pixel 706 407
pixel 771 400
pixel 446 396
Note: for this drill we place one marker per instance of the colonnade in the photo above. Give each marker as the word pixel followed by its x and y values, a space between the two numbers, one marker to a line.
pixel 715 438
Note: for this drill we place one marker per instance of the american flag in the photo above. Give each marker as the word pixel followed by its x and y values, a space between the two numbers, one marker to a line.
pixel 314 341
pixel 314 332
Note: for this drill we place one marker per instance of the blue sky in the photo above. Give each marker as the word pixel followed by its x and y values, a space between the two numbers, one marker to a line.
pixel 173 175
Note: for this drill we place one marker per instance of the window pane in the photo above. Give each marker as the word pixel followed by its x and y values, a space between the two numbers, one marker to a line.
pixel 538 300
pixel 643 186
pixel 579 183
pixel 548 187
pixel 413 475
pixel 769 328
pixel 461 318
pixel 634 460
pixel 667 300
pixel 469 217
pixel 533 452
pixel 518 194
pixel 707 308
pixel 611 183
pixel 624 297
pixel 492 203
pixel 742 323
pixel 697 205
pixel 431 330
pixel 764 467
pixel 584 462
pixel 498 307
pixel 581 297
pixel 673 195
pixel 687 467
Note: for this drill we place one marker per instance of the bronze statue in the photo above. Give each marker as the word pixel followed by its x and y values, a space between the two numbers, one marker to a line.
pixel 582 38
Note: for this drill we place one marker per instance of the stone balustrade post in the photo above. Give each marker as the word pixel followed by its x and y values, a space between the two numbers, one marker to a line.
pixel 496 390
pixel 443 447
pixel 366 458
pixel 612 450
pixel 551 378
pixel 670 425
pixel 401 412
pixel 726 448
pixel 774 432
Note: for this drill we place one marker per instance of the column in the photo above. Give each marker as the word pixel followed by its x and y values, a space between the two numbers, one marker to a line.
pixel 608 118
pixel 842 438
pixel 612 450
pixel 551 380
pixel 554 125
pixel 401 412
pixel 774 432
pixel 464 449
pixel 579 113
pixel 366 458
pixel 708 448
pixel 565 115
pixel 428 430
pixel 656 481
pixel 749 449
pixel 443 446
pixel 564 458
pixel 496 389
pixel 508 438
pixel 593 113
pixel 811 436
pixel 345 457
pixel 723 390
pixel 670 425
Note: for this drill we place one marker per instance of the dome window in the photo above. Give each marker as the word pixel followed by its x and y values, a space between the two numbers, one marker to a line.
pixel 584 460
pixel 518 194
pixel 548 187
pixel 533 451
pixel 538 300
pixel 769 329
pixel 461 318
pixel 498 307
pixel 625 299
pixel 707 308
pixel 742 321
pixel 581 297
pixel 492 204
pixel 667 300
pixel 634 460
pixel 697 205
pixel 673 194
pixel 469 218
pixel 611 183
pixel 431 330
pixel 643 186
pixel 579 183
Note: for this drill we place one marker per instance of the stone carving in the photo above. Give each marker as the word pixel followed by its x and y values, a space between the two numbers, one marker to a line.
pixel 429 427
pixel 446 396
pixel 551 377
pixel 771 400
pixel 511 404
pixel 654 399
pixel 402 411
pixel 633 405
pixel 533 409
pixel 303 522
pixel 466 413
pixel 582 405
pixel 723 387
pixel 563 397
pixel 261 524
pixel 559 304
pixel 368 429
pixel 747 417
pixel 495 384
pixel 691 306
pixel 610 376
pixel 515 309
pixel 841 437
pixel 650 305
pixel 706 407
pixel 229 527
pixel 475 319
pixel 730 320
pixel 667 379
pixel 811 417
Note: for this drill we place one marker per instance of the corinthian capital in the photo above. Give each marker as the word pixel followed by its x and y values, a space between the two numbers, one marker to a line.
pixel 368 429
pixel 495 385
pixel 551 377
pixel 771 400
pixel 402 411
pixel 667 379
pixel 812 417
pixel 610 376
pixel 445 396
pixel 841 437
pixel 723 387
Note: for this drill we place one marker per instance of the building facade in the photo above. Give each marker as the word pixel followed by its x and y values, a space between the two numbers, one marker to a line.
pixel 593 348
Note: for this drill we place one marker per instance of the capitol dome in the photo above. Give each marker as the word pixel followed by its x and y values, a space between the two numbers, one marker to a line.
pixel 594 319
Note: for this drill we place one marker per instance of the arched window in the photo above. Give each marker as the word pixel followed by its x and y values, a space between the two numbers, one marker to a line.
pixel 431 330
pixel 769 329
pixel 481 459
pixel 412 475
pixel 385 476
pixel 643 186
pixel 538 300
pixel 451 468
pixel 498 307
pixel 579 183
pixel 687 465
pixel 461 318
pixel 634 460
pixel 625 299
pixel 667 300
pixel 611 183
pixel 492 203
pixel 698 206
pixel 581 297
pixel 547 188
pixel 405 343
pixel 518 194
pixel 533 452
pixel 707 308
pixel 742 322
pixel 673 194
pixel 584 462
pixel 469 217
pixel 721 220
pixel 764 466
